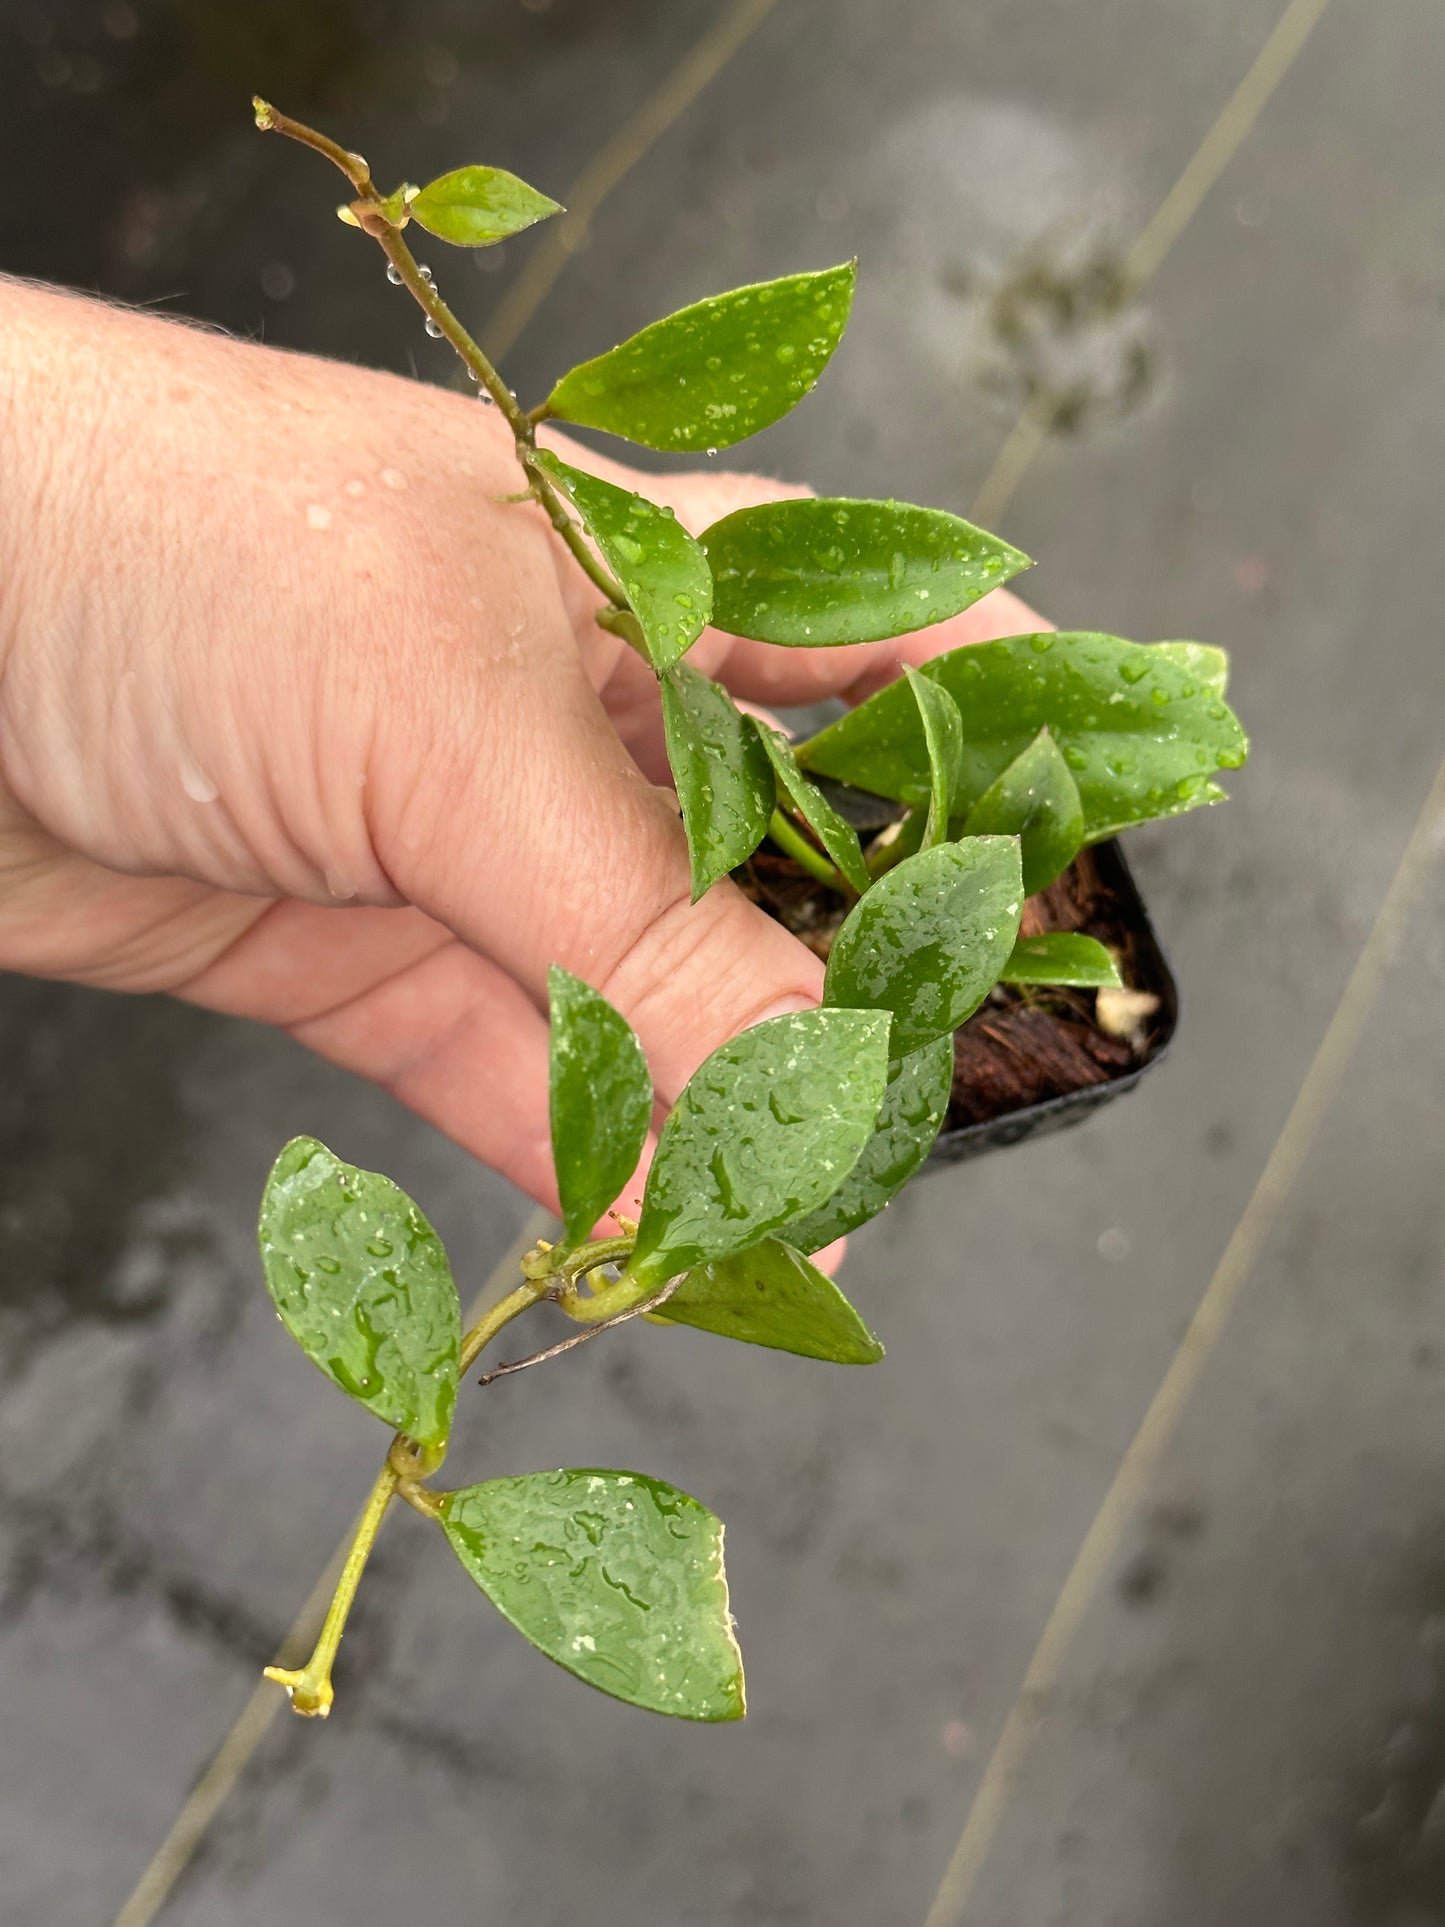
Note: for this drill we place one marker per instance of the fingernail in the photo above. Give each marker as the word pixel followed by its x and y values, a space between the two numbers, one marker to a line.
pixel 785 1007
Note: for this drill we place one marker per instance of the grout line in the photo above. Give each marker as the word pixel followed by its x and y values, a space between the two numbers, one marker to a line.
pixel 1231 128
pixel 255 1719
pixel 638 134
pixel 1101 1543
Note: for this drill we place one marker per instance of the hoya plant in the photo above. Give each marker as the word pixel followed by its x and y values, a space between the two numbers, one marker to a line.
pixel 995 766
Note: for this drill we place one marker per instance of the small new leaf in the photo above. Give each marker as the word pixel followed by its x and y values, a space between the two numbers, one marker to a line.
pixel 617 1577
pixel 1062 957
pixel 715 373
pixel 363 1285
pixel 771 1295
pixel 475 206
pixel 915 1104
pixel 815 572
pixel 663 572
pixel 765 1130
pixel 943 738
pixel 723 776
pixel 1140 733
pixel 834 832
pixel 1037 800
pixel 930 939
pixel 601 1101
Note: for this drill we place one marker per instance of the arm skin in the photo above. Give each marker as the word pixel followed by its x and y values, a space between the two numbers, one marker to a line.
pixel 300 723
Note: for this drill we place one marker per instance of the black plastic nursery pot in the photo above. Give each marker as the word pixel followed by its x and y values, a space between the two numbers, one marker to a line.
pixel 1027 1062
pixel 1120 920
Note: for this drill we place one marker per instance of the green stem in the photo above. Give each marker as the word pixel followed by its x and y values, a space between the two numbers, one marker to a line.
pixel 310 1688
pixel 369 213
pixel 794 844
pixel 501 1314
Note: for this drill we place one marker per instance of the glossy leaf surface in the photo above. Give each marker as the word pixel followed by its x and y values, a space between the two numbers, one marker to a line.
pixel 914 1107
pixel 601 1101
pixel 771 1295
pixel 817 571
pixel 723 776
pixel 834 832
pixel 717 372
pixel 364 1287
pixel 474 206
pixel 1037 800
pixel 1201 660
pixel 1141 735
pixel 930 938
pixel 617 1577
pixel 663 572
pixel 1062 957
pixel 765 1130
pixel 943 740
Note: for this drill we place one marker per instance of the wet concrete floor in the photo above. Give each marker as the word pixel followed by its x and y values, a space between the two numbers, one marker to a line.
pixel 1250 1725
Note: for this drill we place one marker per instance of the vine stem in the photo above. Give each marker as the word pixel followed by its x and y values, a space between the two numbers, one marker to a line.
pixel 310 1689
pixel 371 212
pixel 802 851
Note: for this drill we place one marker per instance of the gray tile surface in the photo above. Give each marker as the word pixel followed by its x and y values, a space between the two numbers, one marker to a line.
pixel 1250 1727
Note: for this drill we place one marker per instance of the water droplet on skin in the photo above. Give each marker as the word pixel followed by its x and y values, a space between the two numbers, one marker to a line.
pixel 354 488
pixel 393 478
pixel 317 516
pixel 196 784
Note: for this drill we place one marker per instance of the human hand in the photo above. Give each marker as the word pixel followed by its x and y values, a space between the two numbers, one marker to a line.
pixel 271 646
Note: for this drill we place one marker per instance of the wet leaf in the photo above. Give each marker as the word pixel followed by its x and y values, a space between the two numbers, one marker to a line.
pixel 1037 800
pixel 601 1101
pixel 837 836
pixel 914 1107
pixel 475 206
pixel 1201 660
pixel 717 372
pixel 771 1295
pixel 814 572
pixel 1062 957
pixel 723 776
pixel 943 739
pixel 1141 735
pixel 930 938
pixel 663 572
pixel 766 1129
pixel 364 1287
pixel 617 1577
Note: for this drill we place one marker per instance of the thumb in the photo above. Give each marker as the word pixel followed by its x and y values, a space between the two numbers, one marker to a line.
pixel 534 837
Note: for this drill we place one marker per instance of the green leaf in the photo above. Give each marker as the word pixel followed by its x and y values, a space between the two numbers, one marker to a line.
pixel 930 938
pixel 364 1287
pixel 943 737
pixel 834 832
pixel 815 572
pixel 715 373
pixel 1201 660
pixel 771 1295
pixel 475 206
pixel 723 776
pixel 1037 800
pixel 1062 957
pixel 601 1101
pixel 1140 734
pixel 914 1107
pixel 617 1577
pixel 766 1129
pixel 663 572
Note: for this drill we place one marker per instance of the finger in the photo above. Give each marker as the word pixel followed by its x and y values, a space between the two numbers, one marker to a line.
pixel 394 996
pixel 538 841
